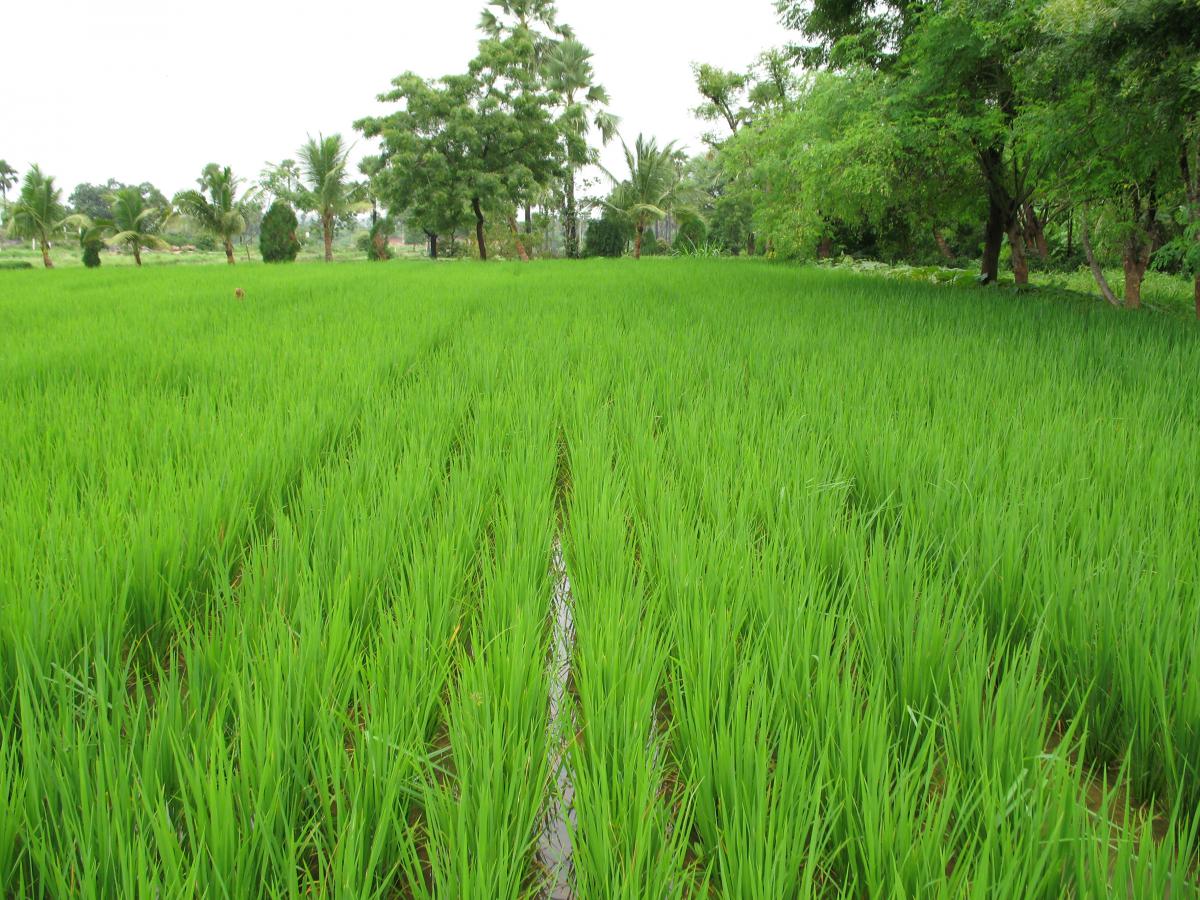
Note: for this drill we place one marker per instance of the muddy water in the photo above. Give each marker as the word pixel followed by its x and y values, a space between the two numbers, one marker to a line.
pixel 554 847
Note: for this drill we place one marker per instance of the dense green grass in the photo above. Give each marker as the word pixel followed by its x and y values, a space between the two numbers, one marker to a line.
pixel 879 589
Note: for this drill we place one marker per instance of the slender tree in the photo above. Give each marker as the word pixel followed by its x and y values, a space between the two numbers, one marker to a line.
pixel 214 207
pixel 8 180
pixel 38 211
pixel 328 192
pixel 568 66
pixel 648 194
pixel 280 181
pixel 134 223
pixel 521 152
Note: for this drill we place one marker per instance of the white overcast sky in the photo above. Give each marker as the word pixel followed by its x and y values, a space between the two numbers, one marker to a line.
pixel 153 92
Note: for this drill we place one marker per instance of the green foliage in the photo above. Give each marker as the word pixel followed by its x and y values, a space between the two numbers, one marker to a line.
pixel 691 233
pixel 607 236
pixel 134 225
pixel 281 181
pixel 650 190
pixel 722 92
pixel 481 144
pixel 91 241
pixel 277 241
pixel 327 192
pixel 582 103
pixel 376 242
pixel 13 264
pixel 8 179
pixel 214 208
pixel 38 213
pixel 92 200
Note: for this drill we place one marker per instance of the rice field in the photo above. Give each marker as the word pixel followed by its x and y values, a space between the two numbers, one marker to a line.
pixel 600 580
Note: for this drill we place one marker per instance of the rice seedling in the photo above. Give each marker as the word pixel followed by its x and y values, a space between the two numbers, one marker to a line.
pixel 876 588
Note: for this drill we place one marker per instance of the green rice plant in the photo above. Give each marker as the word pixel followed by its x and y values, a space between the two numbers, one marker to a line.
pixel 631 828
pixel 877 588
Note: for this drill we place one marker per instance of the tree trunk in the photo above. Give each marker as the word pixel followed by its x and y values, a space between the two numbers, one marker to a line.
pixel 229 251
pixel 327 234
pixel 1016 241
pixel 993 239
pixel 479 238
pixel 46 255
pixel 1134 261
pixel 521 252
pixel 943 247
pixel 1070 232
pixel 750 243
pixel 571 223
pixel 433 250
pixel 637 240
pixel 825 248
pixel 137 254
pixel 1191 186
pixel 1085 238
pixel 1036 231
pixel 528 219
pixel 1140 244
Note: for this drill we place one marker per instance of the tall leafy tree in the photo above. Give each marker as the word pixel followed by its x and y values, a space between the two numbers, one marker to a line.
pixel 842 33
pixel 648 192
pixel 38 213
pixel 724 93
pixel 214 207
pixel 327 190
pixel 428 166
pixel 735 99
pixel 486 139
pixel 568 67
pixel 1126 127
pixel 956 67
pixel 515 103
pixel 92 200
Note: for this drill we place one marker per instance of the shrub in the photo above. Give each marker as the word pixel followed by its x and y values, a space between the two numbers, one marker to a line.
pixel 376 243
pixel 607 236
pixel 692 233
pixel 277 241
pixel 15 264
pixel 91 242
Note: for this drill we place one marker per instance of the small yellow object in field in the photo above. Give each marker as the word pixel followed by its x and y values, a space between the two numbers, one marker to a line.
pixel 239 293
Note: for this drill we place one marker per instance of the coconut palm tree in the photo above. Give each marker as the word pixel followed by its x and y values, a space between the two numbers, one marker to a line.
pixel 214 207
pixel 38 212
pixel 569 74
pixel 8 180
pixel 648 194
pixel 134 223
pixel 328 193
